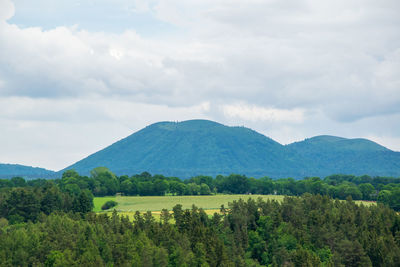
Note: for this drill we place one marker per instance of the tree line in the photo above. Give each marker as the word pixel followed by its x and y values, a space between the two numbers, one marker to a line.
pixel 27 201
pixel 102 182
pixel 311 230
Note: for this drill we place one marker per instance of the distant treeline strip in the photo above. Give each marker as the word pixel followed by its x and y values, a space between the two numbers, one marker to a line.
pixel 103 182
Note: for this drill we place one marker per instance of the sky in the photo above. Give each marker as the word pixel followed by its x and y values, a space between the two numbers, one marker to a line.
pixel 77 76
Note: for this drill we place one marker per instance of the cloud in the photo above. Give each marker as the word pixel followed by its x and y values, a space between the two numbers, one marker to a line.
pixel 6 10
pixel 290 69
pixel 255 113
pixel 339 57
pixel 297 54
pixel 54 133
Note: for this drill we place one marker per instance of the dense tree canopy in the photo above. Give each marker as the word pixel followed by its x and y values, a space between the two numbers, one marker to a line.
pixel 103 182
pixel 306 231
pixel 23 204
pixel 50 223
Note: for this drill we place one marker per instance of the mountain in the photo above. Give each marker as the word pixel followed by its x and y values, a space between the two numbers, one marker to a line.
pixel 190 148
pixel 325 155
pixel 13 170
pixel 197 147
pixel 334 143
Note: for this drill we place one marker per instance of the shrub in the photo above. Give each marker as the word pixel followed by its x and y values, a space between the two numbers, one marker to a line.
pixel 109 204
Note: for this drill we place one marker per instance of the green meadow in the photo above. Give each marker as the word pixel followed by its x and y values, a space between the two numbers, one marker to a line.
pixel 157 203
pixel 211 203
pixel 99 201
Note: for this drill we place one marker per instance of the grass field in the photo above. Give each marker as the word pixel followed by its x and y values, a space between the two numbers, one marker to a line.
pixel 99 201
pixel 128 205
pixel 365 202
pixel 157 203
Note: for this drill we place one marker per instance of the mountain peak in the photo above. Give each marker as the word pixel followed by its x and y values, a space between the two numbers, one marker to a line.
pixel 324 138
pixel 188 148
pixel 335 142
pixel 191 125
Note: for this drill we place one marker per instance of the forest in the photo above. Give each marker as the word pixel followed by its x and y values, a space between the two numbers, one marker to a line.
pixel 102 182
pixel 51 223
pixel 311 230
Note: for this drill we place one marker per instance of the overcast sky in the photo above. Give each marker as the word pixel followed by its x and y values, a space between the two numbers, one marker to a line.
pixel 76 76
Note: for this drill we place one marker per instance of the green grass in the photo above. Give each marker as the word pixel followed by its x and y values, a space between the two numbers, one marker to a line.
pixel 99 201
pixel 365 202
pixel 128 205
pixel 157 203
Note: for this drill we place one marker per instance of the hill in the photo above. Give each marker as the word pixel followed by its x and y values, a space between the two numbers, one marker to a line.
pixel 197 147
pixel 325 155
pixel 190 148
pixel 13 170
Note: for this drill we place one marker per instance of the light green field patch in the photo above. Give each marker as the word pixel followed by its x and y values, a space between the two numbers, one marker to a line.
pixel 99 201
pixel 365 203
pixel 127 205
pixel 157 203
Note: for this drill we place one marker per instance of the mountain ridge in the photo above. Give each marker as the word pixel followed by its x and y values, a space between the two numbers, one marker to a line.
pixel 364 144
pixel 8 170
pixel 202 147
pixel 185 136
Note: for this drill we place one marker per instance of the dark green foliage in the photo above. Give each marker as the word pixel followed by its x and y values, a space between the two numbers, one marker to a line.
pixel 304 231
pixel 205 189
pixel 52 198
pixel 106 181
pixel 177 188
pixel 109 204
pixel 391 198
pixel 23 204
pixel 195 147
pixel 368 191
pixel 234 183
pixel 83 203
pixel 103 182
pixel 18 182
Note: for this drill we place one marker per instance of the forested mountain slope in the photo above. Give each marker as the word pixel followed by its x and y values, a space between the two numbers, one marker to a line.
pixel 189 148
pixel 197 147
pixel 12 170
pixel 325 155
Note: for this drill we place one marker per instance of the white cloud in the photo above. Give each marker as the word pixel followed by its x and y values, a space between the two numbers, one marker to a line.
pixel 55 133
pixel 255 113
pixel 6 10
pixel 117 54
pixel 290 69
pixel 287 55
